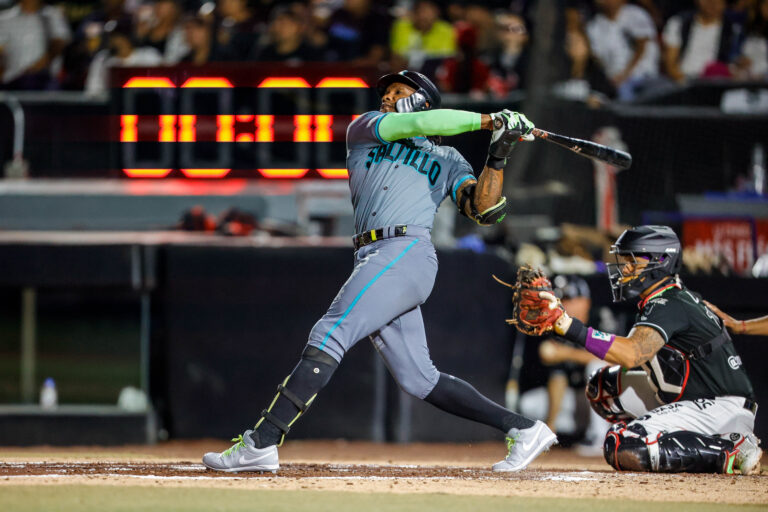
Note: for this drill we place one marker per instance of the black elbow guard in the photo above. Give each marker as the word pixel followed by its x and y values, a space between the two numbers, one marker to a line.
pixel 492 215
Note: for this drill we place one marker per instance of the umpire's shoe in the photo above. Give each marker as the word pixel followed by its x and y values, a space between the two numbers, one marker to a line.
pixel 243 456
pixel 525 445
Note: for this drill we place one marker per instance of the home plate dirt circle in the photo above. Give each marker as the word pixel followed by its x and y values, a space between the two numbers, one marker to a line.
pixel 314 471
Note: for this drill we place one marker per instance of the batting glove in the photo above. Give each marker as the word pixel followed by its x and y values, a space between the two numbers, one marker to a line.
pixel 508 128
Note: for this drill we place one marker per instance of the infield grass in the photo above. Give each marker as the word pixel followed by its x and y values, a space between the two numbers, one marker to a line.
pixel 109 498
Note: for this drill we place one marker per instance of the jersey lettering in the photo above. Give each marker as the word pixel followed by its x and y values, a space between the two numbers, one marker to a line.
pixel 418 160
pixel 380 153
pixel 434 172
pixel 371 156
pixel 416 155
pixel 388 152
pixel 422 167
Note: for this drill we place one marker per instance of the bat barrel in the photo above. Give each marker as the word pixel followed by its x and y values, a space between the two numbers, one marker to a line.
pixel 589 149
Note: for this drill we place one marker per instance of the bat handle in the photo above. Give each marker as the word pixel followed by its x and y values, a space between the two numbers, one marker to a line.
pixel 539 133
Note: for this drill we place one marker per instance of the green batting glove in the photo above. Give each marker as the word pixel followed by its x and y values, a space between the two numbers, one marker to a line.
pixel 508 128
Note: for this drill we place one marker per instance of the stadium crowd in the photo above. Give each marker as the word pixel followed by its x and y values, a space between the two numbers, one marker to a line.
pixel 619 48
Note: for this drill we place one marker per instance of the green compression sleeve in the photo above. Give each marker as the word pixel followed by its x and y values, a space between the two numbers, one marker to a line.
pixel 396 126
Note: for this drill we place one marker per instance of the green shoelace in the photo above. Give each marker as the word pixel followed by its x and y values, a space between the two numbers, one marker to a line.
pixel 238 444
pixel 510 443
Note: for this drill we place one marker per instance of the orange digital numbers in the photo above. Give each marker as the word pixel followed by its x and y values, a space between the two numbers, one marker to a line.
pixel 241 128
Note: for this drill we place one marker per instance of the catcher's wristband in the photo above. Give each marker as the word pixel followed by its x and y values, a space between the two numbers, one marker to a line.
pixel 596 342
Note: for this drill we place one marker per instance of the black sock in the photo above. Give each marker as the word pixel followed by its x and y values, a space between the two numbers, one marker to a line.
pixel 310 376
pixel 457 397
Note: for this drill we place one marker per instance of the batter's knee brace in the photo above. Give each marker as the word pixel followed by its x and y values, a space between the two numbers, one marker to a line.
pixel 603 390
pixel 297 392
pixel 630 449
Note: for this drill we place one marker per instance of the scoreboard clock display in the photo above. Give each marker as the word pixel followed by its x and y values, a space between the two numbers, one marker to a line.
pixel 249 120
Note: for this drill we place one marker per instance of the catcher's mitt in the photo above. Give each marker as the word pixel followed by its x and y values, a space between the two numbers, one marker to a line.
pixel 533 314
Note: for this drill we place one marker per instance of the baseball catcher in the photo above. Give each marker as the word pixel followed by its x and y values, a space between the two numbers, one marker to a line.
pixel 691 407
pixel 399 173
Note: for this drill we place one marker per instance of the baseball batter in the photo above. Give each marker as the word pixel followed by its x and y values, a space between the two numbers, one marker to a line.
pixel 398 176
pixel 678 394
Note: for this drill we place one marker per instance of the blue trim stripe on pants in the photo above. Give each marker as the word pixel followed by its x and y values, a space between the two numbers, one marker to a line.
pixel 359 295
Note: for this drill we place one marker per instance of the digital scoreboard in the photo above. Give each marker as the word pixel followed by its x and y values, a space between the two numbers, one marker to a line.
pixel 248 120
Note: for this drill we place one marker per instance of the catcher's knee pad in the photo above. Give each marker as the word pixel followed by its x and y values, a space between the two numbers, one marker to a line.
pixel 603 390
pixel 626 447
pixel 629 448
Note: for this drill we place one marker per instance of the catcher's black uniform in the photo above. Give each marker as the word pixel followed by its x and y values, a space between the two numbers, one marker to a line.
pixel 681 371
pixel 690 406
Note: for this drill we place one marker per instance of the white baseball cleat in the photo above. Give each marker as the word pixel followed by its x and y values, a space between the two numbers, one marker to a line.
pixel 748 459
pixel 525 445
pixel 243 456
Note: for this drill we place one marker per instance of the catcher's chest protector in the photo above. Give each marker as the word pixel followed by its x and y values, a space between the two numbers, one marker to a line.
pixel 668 374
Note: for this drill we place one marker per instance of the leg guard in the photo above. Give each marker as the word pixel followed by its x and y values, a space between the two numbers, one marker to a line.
pixel 627 448
pixel 603 390
pixel 294 396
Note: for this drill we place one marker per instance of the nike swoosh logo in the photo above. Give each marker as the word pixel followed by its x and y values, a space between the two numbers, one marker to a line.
pixel 244 461
pixel 528 446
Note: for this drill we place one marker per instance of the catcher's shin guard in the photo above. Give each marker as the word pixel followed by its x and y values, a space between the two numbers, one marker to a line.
pixel 603 390
pixel 294 396
pixel 677 452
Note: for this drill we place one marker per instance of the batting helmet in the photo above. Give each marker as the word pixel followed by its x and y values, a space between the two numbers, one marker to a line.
pixel 414 79
pixel 659 245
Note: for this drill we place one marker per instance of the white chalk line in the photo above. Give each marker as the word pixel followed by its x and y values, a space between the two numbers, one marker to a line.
pixel 580 477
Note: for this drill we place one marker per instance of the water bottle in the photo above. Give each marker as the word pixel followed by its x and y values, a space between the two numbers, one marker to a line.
pixel 757 171
pixel 49 398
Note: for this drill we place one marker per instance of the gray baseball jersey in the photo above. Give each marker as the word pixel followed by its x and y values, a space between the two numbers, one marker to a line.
pixel 392 183
pixel 400 182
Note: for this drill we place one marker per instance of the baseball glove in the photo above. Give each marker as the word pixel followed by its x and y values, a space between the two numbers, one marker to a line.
pixel 533 314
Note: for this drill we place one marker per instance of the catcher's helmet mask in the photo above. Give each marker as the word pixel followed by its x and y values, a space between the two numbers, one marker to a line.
pixel 420 83
pixel 661 254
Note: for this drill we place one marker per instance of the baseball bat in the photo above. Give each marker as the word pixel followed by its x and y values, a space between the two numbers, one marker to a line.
pixel 593 150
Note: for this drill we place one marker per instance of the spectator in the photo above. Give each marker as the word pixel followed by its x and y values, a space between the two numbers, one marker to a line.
pixel 422 39
pixel 111 10
pixel 510 61
pixel 465 73
pixel 482 19
pixel 159 28
pixel 359 32
pixel 752 63
pixel 120 52
pixel 32 37
pixel 584 78
pixel 237 30
pixel 197 37
pixel 700 43
pixel 623 39
pixel 89 40
pixel 287 41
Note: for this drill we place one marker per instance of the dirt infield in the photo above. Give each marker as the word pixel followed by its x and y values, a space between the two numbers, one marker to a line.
pixel 373 468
